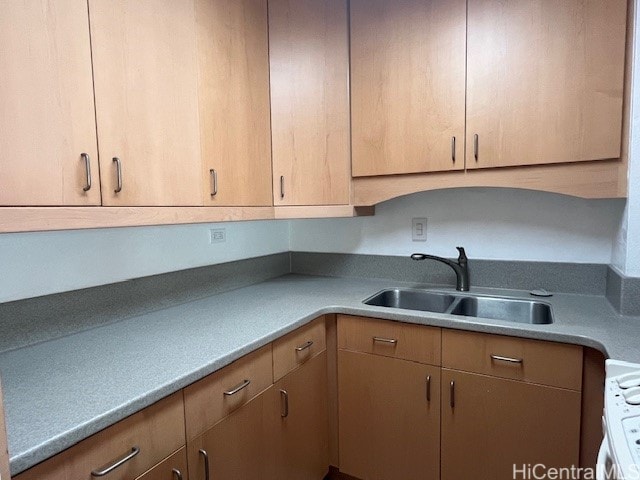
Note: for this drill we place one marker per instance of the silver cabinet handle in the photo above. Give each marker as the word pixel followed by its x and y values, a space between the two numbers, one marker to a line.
pixel 476 146
pixel 214 182
pixel 499 358
pixel 87 169
pixel 177 474
pixel 282 186
pixel 306 345
pixel 205 456
pixel 452 394
pixel 453 149
pixel 284 398
pixel 428 388
pixel 236 389
pixel 110 468
pixel 391 341
pixel 118 163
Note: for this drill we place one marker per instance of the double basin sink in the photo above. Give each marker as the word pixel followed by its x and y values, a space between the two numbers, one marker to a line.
pixel 496 308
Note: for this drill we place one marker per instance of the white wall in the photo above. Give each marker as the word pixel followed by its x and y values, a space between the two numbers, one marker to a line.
pixel 505 224
pixel 34 264
pixel 626 252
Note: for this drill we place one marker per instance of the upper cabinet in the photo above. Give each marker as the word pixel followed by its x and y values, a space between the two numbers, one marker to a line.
pixel 146 89
pixel 233 86
pixel 544 81
pixel 48 149
pixel 407 85
pixel 309 61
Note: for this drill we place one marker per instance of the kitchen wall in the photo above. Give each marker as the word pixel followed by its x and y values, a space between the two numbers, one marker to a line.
pixel 505 224
pixel 626 251
pixel 34 264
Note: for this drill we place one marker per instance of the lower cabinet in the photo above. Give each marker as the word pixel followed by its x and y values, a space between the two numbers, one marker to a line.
pixel 491 426
pixel 299 421
pixel 236 447
pixel 280 434
pixel 173 467
pixel 389 417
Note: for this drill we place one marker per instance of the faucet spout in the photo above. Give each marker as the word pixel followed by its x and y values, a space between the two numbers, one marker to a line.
pixel 460 267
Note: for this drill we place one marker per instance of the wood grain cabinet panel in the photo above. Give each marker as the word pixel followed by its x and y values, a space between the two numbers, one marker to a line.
pixel 389 418
pixel 173 467
pixel 206 402
pixel 407 85
pixel 309 58
pixel 496 423
pixel 233 88
pixel 239 447
pixel 388 338
pixel 157 431
pixel 46 105
pixel 544 81
pixel 4 453
pixel 294 349
pixel 534 361
pixel 146 88
pixel 298 418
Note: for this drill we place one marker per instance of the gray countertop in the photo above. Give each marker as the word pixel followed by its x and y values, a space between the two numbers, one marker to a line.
pixel 64 390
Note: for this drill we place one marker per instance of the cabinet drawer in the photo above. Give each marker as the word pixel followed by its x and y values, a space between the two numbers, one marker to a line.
pixel 297 347
pixel 211 399
pixel 389 338
pixel 173 467
pixel 156 431
pixel 534 361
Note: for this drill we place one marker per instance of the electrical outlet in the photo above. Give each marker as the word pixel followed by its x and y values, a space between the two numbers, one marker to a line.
pixel 419 229
pixel 218 235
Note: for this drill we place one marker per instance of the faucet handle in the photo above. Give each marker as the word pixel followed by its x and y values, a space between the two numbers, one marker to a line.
pixel 462 254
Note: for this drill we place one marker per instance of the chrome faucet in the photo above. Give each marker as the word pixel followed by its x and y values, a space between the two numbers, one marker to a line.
pixel 460 267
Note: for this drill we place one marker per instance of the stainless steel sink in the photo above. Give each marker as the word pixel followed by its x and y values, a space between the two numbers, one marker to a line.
pixel 497 308
pixel 412 300
pixel 520 311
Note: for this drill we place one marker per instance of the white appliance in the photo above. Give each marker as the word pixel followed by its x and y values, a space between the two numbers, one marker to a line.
pixel 619 457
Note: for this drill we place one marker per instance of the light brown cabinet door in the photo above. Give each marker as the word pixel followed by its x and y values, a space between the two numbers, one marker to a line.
pixel 544 81
pixel 233 86
pixel 173 467
pixel 46 104
pixel 389 418
pixel 309 58
pixel 407 85
pixel 4 454
pixel 496 423
pixel 298 416
pixel 146 85
pixel 238 448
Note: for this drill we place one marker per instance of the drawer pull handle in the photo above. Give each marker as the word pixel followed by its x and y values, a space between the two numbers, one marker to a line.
pixel 428 388
pixel 453 149
pixel 476 146
pixel 214 180
pixel 452 394
pixel 284 397
pixel 499 358
pixel 87 169
pixel 282 187
pixel 118 163
pixel 205 456
pixel 110 468
pixel 390 341
pixel 177 474
pixel 241 386
pixel 306 345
